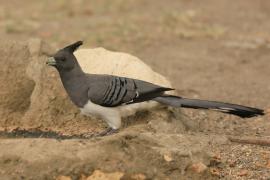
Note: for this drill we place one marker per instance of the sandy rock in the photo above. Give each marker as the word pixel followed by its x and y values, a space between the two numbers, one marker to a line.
pixel 99 175
pixel 168 157
pixel 138 177
pixel 33 94
pixel 102 61
pixel 268 164
pixel 127 152
pixel 215 171
pixel 243 172
pixel 198 167
pixel 16 87
pixel 63 178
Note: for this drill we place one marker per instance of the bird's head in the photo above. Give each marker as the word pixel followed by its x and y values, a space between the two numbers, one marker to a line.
pixel 64 59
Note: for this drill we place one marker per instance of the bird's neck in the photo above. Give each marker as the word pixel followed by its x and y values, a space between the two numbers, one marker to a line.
pixel 72 78
pixel 67 76
pixel 74 82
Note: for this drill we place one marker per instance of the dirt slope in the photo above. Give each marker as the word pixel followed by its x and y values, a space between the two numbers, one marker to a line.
pixel 208 49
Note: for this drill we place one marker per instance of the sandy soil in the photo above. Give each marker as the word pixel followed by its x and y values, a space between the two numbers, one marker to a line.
pixel 209 49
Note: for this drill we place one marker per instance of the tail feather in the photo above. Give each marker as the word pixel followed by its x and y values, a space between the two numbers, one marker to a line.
pixel 238 110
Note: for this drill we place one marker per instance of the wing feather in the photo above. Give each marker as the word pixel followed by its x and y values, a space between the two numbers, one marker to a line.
pixel 111 91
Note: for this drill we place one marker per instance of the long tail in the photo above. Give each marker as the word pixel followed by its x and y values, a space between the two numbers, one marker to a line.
pixel 238 110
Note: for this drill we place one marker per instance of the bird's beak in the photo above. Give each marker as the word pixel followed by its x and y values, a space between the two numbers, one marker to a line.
pixel 51 61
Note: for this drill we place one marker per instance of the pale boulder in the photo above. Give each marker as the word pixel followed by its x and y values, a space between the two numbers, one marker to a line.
pixel 102 61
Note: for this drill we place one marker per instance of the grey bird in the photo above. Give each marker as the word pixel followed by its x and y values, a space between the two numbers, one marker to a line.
pixel 112 97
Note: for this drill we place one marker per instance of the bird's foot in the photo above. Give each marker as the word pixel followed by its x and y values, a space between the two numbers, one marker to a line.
pixel 87 135
pixel 108 131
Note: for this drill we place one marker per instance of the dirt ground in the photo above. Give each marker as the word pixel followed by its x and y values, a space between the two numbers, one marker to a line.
pixel 217 50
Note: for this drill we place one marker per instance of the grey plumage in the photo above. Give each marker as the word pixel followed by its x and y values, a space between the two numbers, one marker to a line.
pixel 238 110
pixel 112 91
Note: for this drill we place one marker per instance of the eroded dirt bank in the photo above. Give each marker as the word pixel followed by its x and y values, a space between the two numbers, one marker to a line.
pixel 210 49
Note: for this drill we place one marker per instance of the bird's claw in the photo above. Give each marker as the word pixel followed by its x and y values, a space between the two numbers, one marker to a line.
pixel 108 131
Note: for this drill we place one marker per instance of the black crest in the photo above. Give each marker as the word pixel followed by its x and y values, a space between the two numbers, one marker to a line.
pixel 73 47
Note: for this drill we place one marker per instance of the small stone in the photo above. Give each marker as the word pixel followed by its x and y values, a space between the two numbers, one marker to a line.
pixel 215 171
pixel 99 175
pixel 243 173
pixel 138 177
pixel 198 167
pixel 232 163
pixel 63 178
pixel 268 164
pixel 215 160
pixel 168 157
pixel 267 111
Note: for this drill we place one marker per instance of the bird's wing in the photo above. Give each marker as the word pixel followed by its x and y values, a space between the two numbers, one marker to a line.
pixel 111 91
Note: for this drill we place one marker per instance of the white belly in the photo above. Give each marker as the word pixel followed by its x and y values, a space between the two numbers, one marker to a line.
pixel 112 115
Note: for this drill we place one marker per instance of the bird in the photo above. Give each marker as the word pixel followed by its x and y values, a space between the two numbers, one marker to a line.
pixel 113 97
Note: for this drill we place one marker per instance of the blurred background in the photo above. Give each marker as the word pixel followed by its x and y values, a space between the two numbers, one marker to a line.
pixel 210 49
pixel 198 45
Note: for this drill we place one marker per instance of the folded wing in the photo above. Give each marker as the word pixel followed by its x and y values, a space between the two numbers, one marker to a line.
pixel 111 91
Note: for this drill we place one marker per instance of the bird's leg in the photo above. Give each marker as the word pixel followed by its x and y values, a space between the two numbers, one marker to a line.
pixel 112 131
pixel 107 132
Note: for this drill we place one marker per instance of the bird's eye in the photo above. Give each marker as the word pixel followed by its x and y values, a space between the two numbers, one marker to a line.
pixel 62 59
